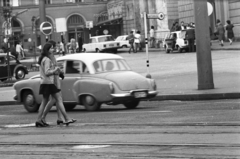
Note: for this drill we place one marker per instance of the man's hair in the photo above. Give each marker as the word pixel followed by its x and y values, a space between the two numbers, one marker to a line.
pixel 152 27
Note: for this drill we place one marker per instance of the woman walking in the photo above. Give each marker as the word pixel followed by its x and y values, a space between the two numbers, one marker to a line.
pixel 138 41
pixel 47 87
pixel 220 31
pixel 230 34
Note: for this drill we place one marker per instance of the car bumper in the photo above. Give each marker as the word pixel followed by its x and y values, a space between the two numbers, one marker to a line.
pixel 112 48
pixel 130 95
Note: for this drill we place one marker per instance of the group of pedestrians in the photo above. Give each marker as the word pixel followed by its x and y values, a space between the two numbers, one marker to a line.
pixel 50 87
pixel 134 42
pixel 220 32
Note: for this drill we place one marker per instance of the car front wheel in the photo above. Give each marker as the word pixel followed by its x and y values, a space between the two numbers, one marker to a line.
pixel 90 103
pixel 29 102
pixel 132 104
pixel 20 73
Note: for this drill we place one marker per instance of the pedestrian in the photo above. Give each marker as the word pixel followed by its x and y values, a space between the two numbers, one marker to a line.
pixel 190 36
pixel 5 45
pixel 62 48
pixel 177 26
pixel 172 28
pixel 230 34
pixel 131 40
pixel 220 32
pixel 152 37
pixel 80 43
pixel 20 51
pixel 137 41
pixel 48 72
pixel 72 46
pixel 183 26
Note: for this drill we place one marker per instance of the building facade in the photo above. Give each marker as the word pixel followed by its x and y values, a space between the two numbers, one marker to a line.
pixel 115 17
pixel 76 13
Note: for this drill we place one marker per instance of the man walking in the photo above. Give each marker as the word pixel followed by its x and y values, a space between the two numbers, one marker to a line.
pixel 190 36
pixel 152 37
pixel 80 43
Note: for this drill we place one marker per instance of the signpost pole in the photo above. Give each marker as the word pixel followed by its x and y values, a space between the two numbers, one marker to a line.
pixel 42 13
pixel 146 43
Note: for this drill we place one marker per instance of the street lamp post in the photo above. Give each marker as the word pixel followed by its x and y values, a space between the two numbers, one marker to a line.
pixel 34 32
pixel 7 11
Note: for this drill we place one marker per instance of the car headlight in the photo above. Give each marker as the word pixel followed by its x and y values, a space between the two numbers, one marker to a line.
pixel 111 87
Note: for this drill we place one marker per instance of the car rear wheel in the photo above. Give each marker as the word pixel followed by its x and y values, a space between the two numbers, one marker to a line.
pixel 29 102
pixel 132 104
pixel 69 107
pixel 20 73
pixel 97 50
pixel 90 103
pixel 84 50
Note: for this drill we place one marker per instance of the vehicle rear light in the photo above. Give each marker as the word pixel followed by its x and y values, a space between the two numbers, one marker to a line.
pixel 118 44
pixel 111 87
pixel 154 85
pixel 104 46
pixel 185 42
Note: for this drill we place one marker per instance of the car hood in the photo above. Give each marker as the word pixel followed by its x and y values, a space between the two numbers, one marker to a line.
pixel 127 80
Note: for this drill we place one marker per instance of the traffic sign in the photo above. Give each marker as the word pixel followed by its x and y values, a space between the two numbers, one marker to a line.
pixel 89 24
pixel 159 16
pixel 46 28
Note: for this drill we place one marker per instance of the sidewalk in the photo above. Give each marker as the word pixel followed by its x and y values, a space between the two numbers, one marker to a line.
pixel 182 86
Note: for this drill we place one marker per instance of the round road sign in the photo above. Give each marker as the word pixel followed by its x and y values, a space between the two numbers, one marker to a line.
pixel 46 28
pixel 161 16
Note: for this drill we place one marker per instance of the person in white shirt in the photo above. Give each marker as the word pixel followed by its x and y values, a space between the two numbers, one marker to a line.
pixel 20 50
pixel 138 41
pixel 152 37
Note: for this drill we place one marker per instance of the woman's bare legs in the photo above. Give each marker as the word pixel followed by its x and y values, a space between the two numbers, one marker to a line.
pixel 59 104
pixel 42 107
pixel 48 108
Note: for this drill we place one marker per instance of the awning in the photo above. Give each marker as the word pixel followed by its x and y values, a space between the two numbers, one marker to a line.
pixel 110 22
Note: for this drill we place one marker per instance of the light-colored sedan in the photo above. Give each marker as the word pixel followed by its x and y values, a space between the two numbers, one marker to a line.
pixel 90 80
pixel 122 39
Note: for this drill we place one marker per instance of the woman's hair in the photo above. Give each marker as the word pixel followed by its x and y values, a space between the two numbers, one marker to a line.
pixel 45 52
pixel 52 42
pixel 228 21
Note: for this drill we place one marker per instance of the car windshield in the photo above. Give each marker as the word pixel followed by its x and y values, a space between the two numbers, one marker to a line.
pixel 110 65
pixel 120 38
pixel 105 38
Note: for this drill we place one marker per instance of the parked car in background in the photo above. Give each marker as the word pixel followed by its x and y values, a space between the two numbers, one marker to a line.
pixel 16 69
pixel 122 39
pixel 91 80
pixel 103 43
pixel 181 41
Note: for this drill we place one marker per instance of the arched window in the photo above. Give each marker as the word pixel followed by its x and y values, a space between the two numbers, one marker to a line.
pixel 76 25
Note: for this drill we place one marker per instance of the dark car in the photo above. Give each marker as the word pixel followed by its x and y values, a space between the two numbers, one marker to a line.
pixel 16 69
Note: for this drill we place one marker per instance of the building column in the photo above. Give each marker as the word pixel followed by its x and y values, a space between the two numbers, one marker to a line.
pixel 162 25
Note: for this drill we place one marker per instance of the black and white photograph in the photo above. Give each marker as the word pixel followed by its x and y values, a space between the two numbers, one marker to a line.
pixel 119 79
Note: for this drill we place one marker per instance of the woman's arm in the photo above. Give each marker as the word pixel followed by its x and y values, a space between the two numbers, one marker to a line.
pixel 48 67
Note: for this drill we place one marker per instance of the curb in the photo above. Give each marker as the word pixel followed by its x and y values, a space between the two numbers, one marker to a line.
pixel 181 97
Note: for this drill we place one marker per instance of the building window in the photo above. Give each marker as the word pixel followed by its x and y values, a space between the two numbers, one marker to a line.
pixel 14 3
pixel 36 2
pixel 74 1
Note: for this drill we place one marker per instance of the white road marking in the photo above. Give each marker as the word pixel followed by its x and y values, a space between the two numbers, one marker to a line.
pixel 20 125
pixel 90 146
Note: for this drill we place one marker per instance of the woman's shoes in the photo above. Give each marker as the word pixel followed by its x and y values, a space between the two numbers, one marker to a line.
pixel 70 121
pixel 46 124
pixel 59 122
pixel 39 124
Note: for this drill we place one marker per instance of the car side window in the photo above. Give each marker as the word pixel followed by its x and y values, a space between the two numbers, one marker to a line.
pixel 2 60
pixel 83 68
pixel 72 67
pixel 60 64
pixel 94 40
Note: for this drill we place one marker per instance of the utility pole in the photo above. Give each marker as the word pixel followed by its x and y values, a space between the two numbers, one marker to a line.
pixel 204 58
pixel 42 13
pixel 1 22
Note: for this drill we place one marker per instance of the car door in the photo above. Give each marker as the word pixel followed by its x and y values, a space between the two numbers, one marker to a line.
pixel 3 68
pixel 72 74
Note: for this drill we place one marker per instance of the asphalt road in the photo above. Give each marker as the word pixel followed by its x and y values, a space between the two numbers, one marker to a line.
pixel 166 129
